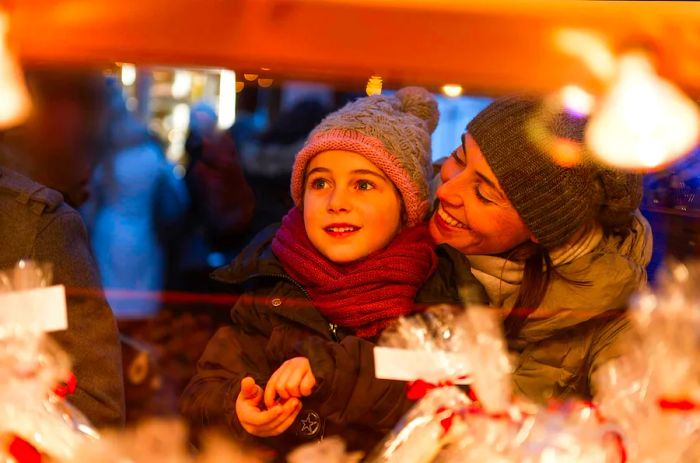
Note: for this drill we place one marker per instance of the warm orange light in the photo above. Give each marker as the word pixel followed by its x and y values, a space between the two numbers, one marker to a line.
pixel 128 74
pixel 13 92
pixel 264 83
pixel 577 100
pixel 566 153
pixel 644 121
pixel 452 90
pixel 591 48
pixel 250 77
pixel 374 86
pixel 227 99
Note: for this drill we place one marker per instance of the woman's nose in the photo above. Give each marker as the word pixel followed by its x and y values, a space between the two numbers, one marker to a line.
pixel 451 191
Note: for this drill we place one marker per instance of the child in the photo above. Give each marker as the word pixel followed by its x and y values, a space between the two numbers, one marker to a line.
pixel 350 258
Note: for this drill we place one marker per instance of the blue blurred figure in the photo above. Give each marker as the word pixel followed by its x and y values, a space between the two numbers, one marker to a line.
pixel 137 198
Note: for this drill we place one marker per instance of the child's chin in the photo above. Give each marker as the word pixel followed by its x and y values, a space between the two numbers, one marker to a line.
pixel 345 258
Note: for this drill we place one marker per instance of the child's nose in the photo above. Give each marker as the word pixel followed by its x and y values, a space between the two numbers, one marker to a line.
pixel 338 201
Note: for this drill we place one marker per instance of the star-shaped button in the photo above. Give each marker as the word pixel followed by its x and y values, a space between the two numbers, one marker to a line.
pixel 311 424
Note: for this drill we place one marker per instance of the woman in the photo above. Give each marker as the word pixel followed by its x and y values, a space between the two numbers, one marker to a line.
pixel 561 249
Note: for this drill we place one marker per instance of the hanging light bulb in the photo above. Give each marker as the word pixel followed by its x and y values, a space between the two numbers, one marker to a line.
pixel 374 86
pixel 227 99
pixel 128 74
pixel 576 100
pixel 182 83
pixel 452 90
pixel 13 92
pixel 644 121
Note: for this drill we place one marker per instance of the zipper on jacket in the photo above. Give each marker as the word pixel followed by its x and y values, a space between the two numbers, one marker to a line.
pixel 333 328
pixel 288 278
pixel 266 275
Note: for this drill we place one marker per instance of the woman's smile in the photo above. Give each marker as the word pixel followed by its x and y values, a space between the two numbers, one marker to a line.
pixel 449 220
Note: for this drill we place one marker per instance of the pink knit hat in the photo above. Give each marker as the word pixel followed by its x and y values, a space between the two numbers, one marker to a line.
pixel 392 132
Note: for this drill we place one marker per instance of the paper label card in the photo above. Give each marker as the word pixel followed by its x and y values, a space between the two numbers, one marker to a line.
pixel 40 308
pixel 414 364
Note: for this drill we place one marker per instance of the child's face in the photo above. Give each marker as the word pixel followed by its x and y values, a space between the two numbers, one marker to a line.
pixel 351 209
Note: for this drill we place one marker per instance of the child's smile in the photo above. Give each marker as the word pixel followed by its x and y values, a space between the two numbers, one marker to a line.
pixel 341 230
pixel 351 208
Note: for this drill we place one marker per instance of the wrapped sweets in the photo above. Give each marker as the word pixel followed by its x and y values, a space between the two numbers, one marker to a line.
pixel 446 426
pixel 458 343
pixel 33 413
pixel 569 432
pixel 499 427
pixel 161 440
pixel 331 450
pixel 653 391
pixel 424 430
pixel 35 419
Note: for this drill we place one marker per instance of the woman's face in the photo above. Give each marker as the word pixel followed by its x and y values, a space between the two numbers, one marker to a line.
pixel 351 209
pixel 474 215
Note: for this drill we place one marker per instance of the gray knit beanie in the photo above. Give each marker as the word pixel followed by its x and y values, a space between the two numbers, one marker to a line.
pixel 392 132
pixel 554 201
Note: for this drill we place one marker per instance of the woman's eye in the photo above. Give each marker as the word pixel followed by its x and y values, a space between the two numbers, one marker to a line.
pixel 318 183
pixel 480 196
pixel 457 155
pixel 364 185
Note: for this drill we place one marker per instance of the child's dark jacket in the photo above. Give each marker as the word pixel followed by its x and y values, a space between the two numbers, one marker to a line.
pixel 274 320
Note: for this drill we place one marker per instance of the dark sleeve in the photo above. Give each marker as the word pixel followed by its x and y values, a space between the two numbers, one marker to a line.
pixel 347 390
pixel 234 352
pixel 91 339
pixel 452 282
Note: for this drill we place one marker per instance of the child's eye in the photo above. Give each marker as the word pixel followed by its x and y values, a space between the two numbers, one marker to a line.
pixel 364 185
pixel 318 183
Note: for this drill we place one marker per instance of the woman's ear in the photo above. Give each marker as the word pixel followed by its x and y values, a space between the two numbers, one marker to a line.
pixel 534 239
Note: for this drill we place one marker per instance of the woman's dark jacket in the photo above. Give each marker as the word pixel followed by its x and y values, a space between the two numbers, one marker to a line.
pixel 274 320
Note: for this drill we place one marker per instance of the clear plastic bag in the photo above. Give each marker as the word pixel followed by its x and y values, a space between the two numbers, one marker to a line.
pixel 33 367
pixel 653 390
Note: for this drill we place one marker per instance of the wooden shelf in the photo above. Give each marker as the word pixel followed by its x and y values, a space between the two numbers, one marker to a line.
pixel 488 46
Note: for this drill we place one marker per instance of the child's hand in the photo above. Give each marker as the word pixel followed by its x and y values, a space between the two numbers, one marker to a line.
pixel 263 423
pixel 293 379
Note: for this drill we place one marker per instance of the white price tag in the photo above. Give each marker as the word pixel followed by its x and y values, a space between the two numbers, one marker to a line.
pixel 413 364
pixel 41 308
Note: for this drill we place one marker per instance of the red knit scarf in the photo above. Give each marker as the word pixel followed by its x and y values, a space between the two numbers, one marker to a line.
pixel 364 295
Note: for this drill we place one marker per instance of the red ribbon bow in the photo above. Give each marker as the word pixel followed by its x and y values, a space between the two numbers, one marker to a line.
pixel 67 387
pixel 418 388
pixel 23 451
pixel 683 405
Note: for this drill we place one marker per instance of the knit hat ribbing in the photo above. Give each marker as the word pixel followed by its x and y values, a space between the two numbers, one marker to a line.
pixel 554 201
pixel 392 132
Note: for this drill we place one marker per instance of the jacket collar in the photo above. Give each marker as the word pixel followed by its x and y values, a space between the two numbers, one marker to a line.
pixel 256 259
